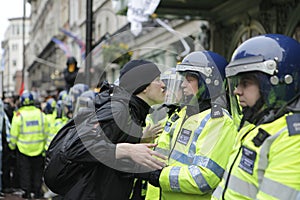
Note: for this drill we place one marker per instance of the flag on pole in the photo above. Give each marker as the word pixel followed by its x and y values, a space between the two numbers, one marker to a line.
pixel 138 12
pixel 78 41
pixel 62 46
pixel 21 88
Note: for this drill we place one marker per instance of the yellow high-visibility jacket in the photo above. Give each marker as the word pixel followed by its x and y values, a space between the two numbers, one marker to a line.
pixel 265 163
pixel 198 149
pixel 29 131
pixel 58 123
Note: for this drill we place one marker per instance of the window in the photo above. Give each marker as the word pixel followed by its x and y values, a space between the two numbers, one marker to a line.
pixel 99 30
pixel 14 63
pixel 18 30
pixel 107 24
pixel 14 47
pixel 243 33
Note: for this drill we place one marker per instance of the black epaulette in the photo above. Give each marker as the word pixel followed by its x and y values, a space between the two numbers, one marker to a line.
pixel 261 136
pixel 174 117
pixel 216 111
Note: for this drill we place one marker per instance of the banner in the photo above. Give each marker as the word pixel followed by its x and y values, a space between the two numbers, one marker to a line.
pixel 78 41
pixel 138 12
pixel 21 88
pixel 62 46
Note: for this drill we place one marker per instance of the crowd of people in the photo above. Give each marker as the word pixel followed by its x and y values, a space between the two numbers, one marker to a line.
pixel 203 129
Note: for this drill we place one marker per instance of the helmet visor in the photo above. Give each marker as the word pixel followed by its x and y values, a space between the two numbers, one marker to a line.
pixel 205 71
pixel 235 107
pixel 173 89
pixel 250 64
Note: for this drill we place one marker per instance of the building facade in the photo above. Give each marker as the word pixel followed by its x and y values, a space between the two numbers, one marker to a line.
pixel 12 58
pixel 44 60
pixel 177 28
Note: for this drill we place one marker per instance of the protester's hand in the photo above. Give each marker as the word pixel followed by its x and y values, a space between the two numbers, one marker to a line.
pixel 141 154
pixel 151 132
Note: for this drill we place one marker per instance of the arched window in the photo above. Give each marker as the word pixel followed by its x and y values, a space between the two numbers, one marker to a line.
pixel 245 32
pixel 296 34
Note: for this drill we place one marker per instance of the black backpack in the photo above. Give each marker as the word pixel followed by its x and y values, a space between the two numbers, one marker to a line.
pixel 80 144
pixel 68 152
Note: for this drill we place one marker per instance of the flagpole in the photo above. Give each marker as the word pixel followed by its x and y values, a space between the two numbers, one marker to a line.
pixel 89 38
pixel 23 41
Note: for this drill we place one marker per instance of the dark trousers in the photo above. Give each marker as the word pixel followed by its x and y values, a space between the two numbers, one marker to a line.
pixel 10 177
pixel 30 173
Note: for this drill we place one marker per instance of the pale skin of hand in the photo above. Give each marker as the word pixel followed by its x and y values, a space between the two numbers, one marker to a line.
pixel 151 132
pixel 141 154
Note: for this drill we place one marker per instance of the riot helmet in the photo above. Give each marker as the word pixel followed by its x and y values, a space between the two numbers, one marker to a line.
pixel 50 106
pixel 26 99
pixel 59 109
pixel 85 100
pixel 75 92
pixel 62 94
pixel 273 61
pixel 67 107
pixel 208 68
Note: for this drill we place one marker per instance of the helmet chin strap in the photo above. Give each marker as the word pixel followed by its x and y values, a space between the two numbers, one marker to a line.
pixel 290 106
pixel 251 114
pixel 294 104
pixel 257 116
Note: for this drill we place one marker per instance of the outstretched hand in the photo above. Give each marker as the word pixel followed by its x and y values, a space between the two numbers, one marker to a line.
pixel 151 132
pixel 141 154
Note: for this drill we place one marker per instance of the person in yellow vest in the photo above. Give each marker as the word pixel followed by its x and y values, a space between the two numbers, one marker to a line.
pixel 198 137
pixel 60 120
pixel 155 122
pixel 50 112
pixel 29 131
pixel 264 86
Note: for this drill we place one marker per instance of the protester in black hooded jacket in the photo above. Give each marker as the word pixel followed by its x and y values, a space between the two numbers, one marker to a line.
pixel 121 112
pixel 70 72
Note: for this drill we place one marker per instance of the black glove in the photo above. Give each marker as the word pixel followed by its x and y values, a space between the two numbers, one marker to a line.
pixel 152 177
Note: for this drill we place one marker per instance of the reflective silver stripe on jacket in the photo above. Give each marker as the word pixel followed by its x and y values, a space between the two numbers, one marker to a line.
pixel 196 175
pixel 250 190
pixel 43 123
pixel 30 142
pixel 13 137
pixel 164 152
pixel 199 179
pixel 210 164
pixel 218 192
pixel 33 132
pixel 199 161
pixel 197 133
pixel 244 188
pixel 267 185
pixel 279 190
pixel 263 158
pixel 173 179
